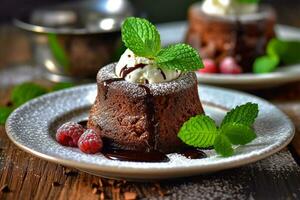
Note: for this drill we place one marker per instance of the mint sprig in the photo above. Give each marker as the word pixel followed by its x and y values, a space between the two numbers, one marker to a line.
pixel 223 146
pixel 202 131
pixel 278 51
pixel 180 56
pixel 26 91
pixel 142 37
pixel 235 129
pixel 244 114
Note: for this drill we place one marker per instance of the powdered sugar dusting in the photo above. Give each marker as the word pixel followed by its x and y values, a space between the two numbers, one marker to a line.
pixel 184 81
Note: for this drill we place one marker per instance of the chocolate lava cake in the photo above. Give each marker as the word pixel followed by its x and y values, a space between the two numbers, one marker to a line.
pixel 143 117
pixel 243 37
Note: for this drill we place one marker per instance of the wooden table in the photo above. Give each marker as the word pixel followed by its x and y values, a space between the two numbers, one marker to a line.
pixel 23 176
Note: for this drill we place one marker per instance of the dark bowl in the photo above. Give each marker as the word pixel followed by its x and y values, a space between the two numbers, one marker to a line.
pixel 72 41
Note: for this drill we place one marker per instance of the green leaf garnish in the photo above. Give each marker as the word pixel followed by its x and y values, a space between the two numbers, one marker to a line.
pixel 199 131
pixel 238 134
pixel 62 85
pixel 286 50
pixel 278 51
pixel 4 113
pixel 223 146
pixel 265 64
pixel 141 37
pixel 180 56
pixel 236 129
pixel 25 92
pixel 244 114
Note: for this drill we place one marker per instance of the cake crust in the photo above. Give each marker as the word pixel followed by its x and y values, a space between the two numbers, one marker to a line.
pixel 143 117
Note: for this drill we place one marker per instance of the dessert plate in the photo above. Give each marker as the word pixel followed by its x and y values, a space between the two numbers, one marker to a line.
pixel 32 127
pixel 283 75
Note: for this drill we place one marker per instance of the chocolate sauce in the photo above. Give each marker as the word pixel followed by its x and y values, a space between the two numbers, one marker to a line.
pixel 239 39
pixel 125 71
pixel 152 124
pixel 163 74
pixel 83 123
pixel 193 154
pixel 136 156
pixel 107 82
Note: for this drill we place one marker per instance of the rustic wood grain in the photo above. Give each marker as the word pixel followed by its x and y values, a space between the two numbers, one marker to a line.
pixel 28 177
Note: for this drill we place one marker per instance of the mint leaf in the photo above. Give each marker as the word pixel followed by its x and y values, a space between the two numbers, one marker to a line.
pixel 265 64
pixel 61 86
pixel 141 37
pixel 244 114
pixel 179 57
pixel 25 92
pixel 199 131
pixel 4 113
pixel 223 146
pixel 238 133
pixel 286 50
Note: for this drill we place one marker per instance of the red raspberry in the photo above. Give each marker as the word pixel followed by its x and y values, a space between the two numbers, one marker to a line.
pixel 90 142
pixel 229 66
pixel 209 66
pixel 69 133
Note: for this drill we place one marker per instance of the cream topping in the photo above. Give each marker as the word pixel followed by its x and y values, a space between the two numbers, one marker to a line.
pixel 142 70
pixel 228 7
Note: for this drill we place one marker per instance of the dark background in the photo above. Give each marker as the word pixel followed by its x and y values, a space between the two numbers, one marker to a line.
pixel 156 10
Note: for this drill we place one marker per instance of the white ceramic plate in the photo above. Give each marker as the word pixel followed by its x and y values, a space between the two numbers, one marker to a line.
pixel 283 75
pixel 32 127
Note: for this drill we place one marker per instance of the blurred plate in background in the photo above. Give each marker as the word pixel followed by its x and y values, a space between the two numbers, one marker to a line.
pixel 286 74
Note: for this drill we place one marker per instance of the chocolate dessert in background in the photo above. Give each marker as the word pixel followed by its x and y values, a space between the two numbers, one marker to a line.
pixel 243 37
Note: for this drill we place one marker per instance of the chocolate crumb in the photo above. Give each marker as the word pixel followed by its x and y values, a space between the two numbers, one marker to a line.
pixel 130 195
pixel 55 184
pixel 69 172
pixel 95 185
pixel 5 188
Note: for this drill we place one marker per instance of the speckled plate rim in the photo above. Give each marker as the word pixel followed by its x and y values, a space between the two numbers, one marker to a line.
pixel 150 170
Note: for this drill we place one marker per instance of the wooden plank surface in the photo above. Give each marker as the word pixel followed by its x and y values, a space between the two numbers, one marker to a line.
pixel 28 177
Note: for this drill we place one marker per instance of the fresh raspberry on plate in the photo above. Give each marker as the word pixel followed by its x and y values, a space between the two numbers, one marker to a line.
pixel 209 66
pixel 69 133
pixel 90 142
pixel 229 66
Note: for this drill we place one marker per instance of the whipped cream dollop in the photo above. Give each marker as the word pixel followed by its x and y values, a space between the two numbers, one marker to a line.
pixel 142 70
pixel 228 7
